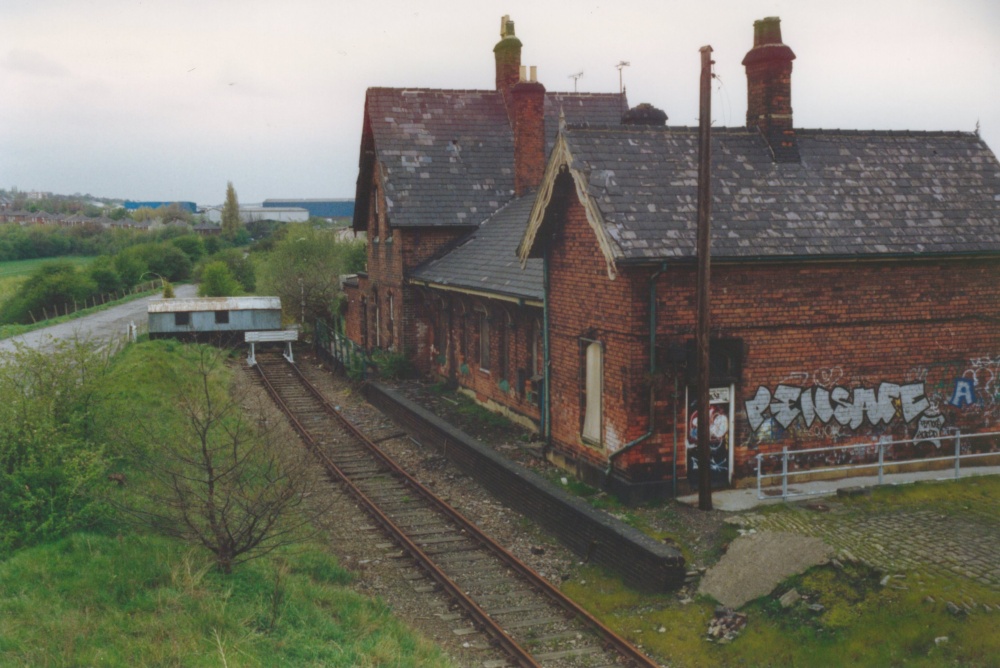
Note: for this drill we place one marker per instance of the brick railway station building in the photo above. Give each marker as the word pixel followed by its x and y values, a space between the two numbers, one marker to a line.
pixel 538 250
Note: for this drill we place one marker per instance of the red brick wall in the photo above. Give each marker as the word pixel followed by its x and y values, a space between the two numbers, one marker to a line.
pixel 455 353
pixel 391 253
pixel 585 304
pixel 813 328
pixel 919 337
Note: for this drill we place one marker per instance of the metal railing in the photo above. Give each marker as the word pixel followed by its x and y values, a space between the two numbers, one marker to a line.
pixel 864 450
pixel 337 348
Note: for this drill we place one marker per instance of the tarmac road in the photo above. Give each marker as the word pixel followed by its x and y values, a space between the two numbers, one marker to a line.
pixel 101 326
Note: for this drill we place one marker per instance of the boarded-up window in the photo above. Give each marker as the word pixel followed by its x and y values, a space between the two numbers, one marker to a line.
pixel 222 317
pixel 484 341
pixel 392 320
pixel 182 319
pixel 536 347
pixel 592 390
pixel 502 335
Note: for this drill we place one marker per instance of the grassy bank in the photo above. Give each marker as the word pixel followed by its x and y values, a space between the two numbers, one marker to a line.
pixel 142 601
pixel 88 588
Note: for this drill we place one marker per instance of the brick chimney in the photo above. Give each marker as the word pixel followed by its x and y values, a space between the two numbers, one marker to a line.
pixel 769 89
pixel 527 117
pixel 508 59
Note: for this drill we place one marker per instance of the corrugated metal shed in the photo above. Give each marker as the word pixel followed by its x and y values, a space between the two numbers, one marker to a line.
pixel 214 304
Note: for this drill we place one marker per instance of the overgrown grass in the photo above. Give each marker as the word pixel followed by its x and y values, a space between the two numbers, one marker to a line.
pixel 861 623
pixel 97 600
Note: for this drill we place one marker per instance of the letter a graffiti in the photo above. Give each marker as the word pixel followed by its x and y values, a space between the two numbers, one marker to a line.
pixel 964 394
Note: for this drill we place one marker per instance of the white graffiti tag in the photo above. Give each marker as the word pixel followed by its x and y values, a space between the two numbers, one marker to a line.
pixel 849 408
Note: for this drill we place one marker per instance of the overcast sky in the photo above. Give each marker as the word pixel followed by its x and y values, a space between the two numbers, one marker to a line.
pixel 170 99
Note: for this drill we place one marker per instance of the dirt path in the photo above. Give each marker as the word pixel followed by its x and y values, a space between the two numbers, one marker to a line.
pixel 100 326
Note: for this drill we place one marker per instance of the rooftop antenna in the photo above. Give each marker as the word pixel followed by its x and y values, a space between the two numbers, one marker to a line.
pixel 575 78
pixel 621 65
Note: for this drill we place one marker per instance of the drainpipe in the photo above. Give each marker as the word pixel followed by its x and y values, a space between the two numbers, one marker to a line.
pixel 652 371
pixel 546 416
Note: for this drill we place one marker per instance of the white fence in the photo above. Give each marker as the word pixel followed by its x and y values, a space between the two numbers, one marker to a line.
pixel 866 449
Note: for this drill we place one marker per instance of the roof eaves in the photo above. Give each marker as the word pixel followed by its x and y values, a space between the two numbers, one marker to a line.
pixel 561 159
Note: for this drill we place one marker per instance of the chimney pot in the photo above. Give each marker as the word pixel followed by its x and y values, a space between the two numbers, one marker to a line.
pixel 534 74
pixel 767 31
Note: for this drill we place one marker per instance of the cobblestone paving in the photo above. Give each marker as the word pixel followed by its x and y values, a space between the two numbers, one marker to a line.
pixel 916 543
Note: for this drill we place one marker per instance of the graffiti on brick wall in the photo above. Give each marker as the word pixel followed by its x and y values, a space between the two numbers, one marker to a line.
pixel 929 404
pixel 848 407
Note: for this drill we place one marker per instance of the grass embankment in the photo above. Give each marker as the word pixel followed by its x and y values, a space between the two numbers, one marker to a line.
pixel 93 600
pixel 861 623
pixel 119 595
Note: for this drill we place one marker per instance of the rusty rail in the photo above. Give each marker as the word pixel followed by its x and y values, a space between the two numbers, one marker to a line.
pixel 481 618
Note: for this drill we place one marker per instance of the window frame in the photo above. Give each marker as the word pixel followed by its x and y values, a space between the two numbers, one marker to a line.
pixel 484 350
pixel 597 423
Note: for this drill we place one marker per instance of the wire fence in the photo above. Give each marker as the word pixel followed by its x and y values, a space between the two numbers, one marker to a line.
pixel 888 456
pixel 69 308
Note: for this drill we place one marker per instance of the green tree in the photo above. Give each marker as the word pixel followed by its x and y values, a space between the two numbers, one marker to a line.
pixel 102 272
pixel 241 267
pixel 130 268
pixel 217 281
pixel 192 245
pixel 231 223
pixel 304 270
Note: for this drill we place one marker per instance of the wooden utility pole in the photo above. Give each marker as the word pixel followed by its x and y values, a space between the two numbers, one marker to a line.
pixel 704 274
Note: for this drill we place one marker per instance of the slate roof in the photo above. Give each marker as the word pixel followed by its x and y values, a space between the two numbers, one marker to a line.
pixel 853 194
pixel 447 156
pixel 487 260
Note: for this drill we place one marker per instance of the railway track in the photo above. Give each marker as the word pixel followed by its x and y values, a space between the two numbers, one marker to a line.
pixel 531 621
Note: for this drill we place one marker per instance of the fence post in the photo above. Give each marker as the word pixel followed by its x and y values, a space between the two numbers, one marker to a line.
pixel 958 452
pixel 760 466
pixel 881 461
pixel 784 473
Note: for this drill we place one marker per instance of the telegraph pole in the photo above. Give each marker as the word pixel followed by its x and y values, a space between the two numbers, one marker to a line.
pixel 704 275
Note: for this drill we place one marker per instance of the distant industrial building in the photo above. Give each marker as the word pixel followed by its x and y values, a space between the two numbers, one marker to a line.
pixel 190 207
pixel 250 214
pixel 317 208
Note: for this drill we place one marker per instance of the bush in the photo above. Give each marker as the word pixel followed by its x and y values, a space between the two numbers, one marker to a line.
pixel 217 281
pixel 55 284
pixel 240 267
pixel 50 458
pixel 192 245
pixel 394 366
pixel 104 275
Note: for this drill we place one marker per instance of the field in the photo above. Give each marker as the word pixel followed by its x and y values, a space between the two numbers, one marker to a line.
pixel 12 274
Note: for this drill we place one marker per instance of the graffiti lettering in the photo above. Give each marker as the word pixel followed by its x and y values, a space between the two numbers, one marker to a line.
pixel 849 408
pixel 964 394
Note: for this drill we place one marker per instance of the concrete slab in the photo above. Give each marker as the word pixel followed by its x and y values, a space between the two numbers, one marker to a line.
pixel 735 500
pixel 755 564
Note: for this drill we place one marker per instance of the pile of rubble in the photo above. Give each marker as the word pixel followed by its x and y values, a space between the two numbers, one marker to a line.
pixel 726 624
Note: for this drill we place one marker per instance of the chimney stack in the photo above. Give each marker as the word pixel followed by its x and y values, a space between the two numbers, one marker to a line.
pixel 527 116
pixel 508 59
pixel 769 89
